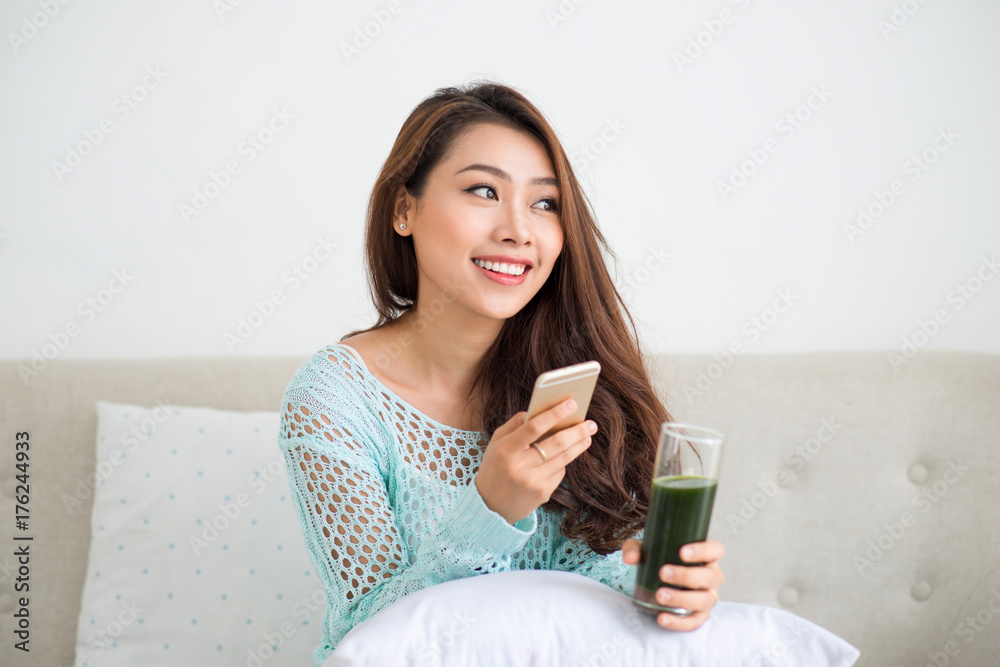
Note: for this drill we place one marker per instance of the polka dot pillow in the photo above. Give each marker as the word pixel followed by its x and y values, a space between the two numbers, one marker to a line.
pixel 196 556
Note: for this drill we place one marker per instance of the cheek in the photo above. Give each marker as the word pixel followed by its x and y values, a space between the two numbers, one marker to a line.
pixel 456 227
pixel 555 244
pixel 444 245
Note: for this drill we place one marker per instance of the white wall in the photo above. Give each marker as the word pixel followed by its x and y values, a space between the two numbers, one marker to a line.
pixel 681 129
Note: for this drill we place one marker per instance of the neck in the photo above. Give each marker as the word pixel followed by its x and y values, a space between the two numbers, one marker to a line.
pixel 444 349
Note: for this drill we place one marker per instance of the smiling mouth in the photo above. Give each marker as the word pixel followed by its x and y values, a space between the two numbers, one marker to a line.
pixel 503 267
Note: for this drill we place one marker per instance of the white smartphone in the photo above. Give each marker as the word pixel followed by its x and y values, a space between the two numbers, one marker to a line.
pixel 555 386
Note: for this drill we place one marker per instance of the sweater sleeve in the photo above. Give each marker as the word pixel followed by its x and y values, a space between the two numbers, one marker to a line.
pixel 611 570
pixel 337 476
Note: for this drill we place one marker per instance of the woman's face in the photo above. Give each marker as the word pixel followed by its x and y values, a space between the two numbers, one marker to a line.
pixel 493 199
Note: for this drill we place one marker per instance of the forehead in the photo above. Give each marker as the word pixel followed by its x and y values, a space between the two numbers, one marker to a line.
pixel 500 146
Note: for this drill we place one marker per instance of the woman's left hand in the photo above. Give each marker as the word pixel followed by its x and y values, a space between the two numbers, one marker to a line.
pixel 705 579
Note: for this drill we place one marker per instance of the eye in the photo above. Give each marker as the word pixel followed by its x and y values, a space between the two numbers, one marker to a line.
pixel 553 204
pixel 482 186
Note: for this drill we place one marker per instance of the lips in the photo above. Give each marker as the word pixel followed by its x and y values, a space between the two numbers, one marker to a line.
pixel 502 278
pixel 505 259
pixel 509 268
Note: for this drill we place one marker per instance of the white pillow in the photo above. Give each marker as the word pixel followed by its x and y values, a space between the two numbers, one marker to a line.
pixel 196 556
pixel 549 617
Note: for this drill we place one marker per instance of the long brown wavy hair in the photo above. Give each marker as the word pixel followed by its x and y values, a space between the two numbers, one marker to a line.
pixel 577 315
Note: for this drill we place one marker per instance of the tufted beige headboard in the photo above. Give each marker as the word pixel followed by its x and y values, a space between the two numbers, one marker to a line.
pixel 859 496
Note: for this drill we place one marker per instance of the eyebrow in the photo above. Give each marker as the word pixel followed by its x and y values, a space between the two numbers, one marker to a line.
pixel 500 173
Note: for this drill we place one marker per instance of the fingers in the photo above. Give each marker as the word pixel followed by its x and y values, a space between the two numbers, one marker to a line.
pixel 698 600
pixel 682 623
pixel 692 576
pixel 630 551
pixel 515 422
pixel 702 552
pixel 703 579
pixel 563 448
pixel 539 425
pixel 554 469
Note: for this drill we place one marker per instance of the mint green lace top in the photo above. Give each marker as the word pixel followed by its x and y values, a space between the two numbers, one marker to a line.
pixel 385 498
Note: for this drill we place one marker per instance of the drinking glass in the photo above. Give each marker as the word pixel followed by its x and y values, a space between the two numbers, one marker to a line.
pixel 685 477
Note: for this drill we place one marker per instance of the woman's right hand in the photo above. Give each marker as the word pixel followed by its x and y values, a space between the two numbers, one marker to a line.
pixel 512 478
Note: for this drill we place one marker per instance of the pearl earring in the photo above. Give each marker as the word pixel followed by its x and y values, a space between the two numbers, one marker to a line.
pixel 402 225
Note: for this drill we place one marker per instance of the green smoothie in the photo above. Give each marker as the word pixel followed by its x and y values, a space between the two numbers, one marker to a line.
pixel 679 512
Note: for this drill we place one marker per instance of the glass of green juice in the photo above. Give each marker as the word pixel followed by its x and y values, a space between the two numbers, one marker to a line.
pixel 685 476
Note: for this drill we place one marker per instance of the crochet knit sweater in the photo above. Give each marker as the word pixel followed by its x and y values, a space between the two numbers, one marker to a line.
pixel 386 499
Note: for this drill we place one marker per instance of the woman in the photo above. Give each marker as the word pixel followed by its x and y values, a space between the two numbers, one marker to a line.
pixel 409 455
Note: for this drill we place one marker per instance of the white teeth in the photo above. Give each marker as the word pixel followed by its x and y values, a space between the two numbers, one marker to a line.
pixel 510 269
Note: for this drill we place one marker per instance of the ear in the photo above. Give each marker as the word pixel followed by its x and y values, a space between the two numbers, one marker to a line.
pixel 403 211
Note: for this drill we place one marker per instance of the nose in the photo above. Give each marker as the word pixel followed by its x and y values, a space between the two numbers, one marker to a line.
pixel 514 224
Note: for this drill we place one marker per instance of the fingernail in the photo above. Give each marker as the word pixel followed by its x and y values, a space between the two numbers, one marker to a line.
pixel 664 619
pixel 592 427
pixel 686 552
pixel 569 406
pixel 663 595
pixel 666 572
